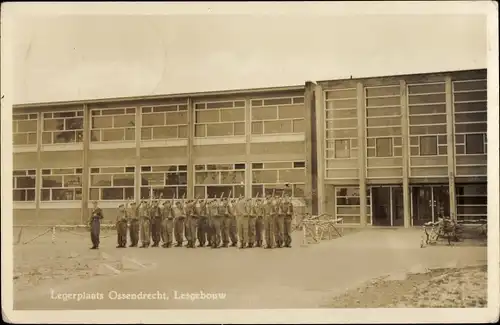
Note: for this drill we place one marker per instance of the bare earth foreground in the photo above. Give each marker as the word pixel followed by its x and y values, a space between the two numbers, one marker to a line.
pixel 331 274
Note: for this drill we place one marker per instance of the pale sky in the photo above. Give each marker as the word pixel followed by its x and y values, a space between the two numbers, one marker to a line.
pixel 85 57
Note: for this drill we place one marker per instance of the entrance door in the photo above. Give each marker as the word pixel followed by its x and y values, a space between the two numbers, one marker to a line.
pixel 381 206
pixel 429 202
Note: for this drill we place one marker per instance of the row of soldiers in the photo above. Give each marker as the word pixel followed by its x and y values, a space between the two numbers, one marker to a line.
pixel 216 222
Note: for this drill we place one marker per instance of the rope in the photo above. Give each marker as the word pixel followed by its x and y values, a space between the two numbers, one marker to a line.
pixel 40 235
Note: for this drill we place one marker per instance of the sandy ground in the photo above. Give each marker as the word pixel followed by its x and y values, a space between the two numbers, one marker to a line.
pixel 299 277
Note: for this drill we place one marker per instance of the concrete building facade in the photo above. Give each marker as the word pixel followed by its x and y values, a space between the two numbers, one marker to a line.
pixel 385 151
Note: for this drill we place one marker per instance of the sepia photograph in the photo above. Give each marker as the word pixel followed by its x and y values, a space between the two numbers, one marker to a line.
pixel 250 162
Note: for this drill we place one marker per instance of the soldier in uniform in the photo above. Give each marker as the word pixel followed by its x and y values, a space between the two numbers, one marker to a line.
pixel 95 225
pixel 252 220
pixel 189 208
pixel 145 224
pixel 156 216
pixel 195 209
pixel 288 212
pixel 225 223
pixel 233 228
pixel 269 222
pixel 134 225
pixel 202 232
pixel 243 210
pixel 216 223
pixel 259 222
pixel 121 226
pixel 167 224
pixel 179 215
pixel 279 222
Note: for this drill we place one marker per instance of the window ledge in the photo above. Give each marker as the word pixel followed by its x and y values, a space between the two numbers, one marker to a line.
pixel 62 146
pixel 230 139
pixel 24 148
pixel 112 145
pixel 295 137
pixel 164 143
pixel 60 204
pixel 21 205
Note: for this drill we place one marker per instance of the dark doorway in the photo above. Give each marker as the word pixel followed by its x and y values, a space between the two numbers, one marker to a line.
pixel 429 202
pixel 381 206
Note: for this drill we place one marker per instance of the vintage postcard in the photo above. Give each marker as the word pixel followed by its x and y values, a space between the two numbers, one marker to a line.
pixel 281 162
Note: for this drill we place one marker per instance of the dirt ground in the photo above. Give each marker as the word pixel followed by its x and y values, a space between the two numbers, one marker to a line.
pixel 299 277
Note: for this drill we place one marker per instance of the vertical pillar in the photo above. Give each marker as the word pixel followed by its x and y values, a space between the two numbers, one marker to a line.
pixel 310 187
pixel 248 152
pixel 138 136
pixel 320 148
pixel 450 135
pixel 38 176
pixel 190 144
pixel 406 159
pixel 361 152
pixel 85 164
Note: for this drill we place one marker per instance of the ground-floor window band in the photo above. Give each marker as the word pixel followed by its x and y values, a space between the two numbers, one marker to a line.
pixel 282 178
pixel 112 183
pixel 472 201
pixel 348 205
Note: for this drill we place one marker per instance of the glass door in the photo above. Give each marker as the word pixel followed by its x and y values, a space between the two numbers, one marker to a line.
pixel 397 206
pixel 381 206
pixel 422 208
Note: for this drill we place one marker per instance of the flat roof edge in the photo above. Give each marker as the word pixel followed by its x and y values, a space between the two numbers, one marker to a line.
pixel 159 97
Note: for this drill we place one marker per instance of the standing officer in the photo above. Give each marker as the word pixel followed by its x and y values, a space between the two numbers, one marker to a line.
pixel 121 226
pixel 95 225
pixel 134 225
pixel 167 224
pixel 216 223
pixel 145 224
pixel 288 213
pixel 269 222
pixel 279 221
pixel 203 231
pixel 243 211
pixel 179 216
pixel 259 223
pixel 156 215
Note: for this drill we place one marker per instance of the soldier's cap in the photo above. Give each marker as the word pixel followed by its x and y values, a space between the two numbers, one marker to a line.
pixel 94 202
pixel 121 206
pixel 132 203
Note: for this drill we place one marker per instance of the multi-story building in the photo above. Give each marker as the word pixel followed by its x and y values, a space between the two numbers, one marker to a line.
pixel 391 151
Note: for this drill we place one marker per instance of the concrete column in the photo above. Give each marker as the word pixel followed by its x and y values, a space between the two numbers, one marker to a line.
pixel 406 154
pixel 362 152
pixel 450 135
pixel 248 153
pixel 85 164
pixel 38 176
pixel 310 187
pixel 190 144
pixel 138 123
pixel 320 148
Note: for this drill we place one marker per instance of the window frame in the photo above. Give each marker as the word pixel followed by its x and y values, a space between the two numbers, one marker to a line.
pixel 151 188
pixel 101 188
pixel 347 204
pixel 180 107
pixel 293 122
pixel 24 189
pixel 279 185
pixel 202 106
pixel 15 127
pixel 71 188
pixel 77 133
pixel 204 168
pixel 100 130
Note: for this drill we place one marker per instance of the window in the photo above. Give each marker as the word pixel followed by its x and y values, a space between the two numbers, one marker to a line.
pixel 112 183
pixel 24 129
pixel 279 177
pixel 24 185
pixel 164 122
pixel 427 119
pixel 219 119
pixel 218 179
pixel 472 201
pixel 112 124
pixel 474 144
pixel 61 184
pixel 167 181
pixel 428 146
pixel 383 147
pixel 342 149
pixel 278 115
pixel 62 127
pixel 348 204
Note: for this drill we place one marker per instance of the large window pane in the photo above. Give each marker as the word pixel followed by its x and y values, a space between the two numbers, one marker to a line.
pixel 383 147
pixel 428 146
pixel 112 193
pixel 342 149
pixel 474 144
